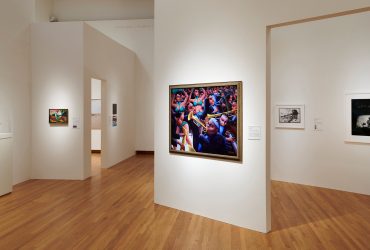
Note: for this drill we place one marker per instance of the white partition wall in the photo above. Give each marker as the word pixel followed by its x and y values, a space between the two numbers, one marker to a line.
pixel 213 41
pixel 15 101
pixel 57 82
pixel 65 56
pixel 108 60
pixel 316 64
pixel 138 36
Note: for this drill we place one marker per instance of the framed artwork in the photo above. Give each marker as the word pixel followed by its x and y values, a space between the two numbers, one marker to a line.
pixel 114 120
pixel 206 119
pixel 114 115
pixel 58 116
pixel 114 108
pixel 358 117
pixel 289 116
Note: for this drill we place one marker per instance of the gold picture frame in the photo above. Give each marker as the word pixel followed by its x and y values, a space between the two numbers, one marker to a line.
pixel 205 119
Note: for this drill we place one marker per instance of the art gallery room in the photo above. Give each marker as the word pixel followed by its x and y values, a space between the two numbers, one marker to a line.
pixel 142 124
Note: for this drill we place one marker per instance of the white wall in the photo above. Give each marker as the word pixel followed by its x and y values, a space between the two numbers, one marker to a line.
pixel 43 10
pixel 15 88
pixel 57 82
pixel 96 139
pixel 15 102
pixel 83 10
pixel 315 64
pixel 65 56
pixel 209 41
pixel 95 89
pixel 138 36
pixel 109 61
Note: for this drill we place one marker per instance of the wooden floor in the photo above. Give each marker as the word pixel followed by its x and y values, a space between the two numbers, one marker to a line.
pixel 114 210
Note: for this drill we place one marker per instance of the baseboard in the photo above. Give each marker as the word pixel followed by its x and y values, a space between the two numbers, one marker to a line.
pixel 140 152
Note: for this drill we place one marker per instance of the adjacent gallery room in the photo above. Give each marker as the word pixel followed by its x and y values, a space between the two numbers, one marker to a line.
pixel 141 124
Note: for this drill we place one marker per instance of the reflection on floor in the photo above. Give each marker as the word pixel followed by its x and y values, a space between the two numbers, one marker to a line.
pixel 95 164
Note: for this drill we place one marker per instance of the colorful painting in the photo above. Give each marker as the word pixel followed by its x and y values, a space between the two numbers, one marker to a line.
pixel 58 116
pixel 205 119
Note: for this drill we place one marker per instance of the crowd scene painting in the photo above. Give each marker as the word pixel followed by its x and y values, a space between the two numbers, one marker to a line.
pixel 205 119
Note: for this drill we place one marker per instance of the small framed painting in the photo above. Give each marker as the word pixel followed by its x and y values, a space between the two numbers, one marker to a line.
pixel 289 116
pixel 358 117
pixel 58 116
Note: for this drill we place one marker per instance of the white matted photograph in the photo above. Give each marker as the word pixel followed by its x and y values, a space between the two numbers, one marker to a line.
pixel 289 116
pixel 358 117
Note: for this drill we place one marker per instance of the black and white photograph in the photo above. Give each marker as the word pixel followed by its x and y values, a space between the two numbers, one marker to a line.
pixel 289 116
pixel 360 117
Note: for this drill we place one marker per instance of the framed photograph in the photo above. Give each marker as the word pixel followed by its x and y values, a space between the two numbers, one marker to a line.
pixel 289 116
pixel 358 117
pixel 114 115
pixel 114 120
pixel 58 116
pixel 206 119
pixel 114 108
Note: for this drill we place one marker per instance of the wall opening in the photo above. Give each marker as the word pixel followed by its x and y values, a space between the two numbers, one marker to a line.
pixel 96 126
pixel 310 127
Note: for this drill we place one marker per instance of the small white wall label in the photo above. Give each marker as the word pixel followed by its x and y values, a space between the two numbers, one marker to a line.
pixel 317 124
pixel 76 122
pixel 254 132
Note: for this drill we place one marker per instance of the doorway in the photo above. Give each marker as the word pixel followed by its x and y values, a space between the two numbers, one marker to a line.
pixel 96 128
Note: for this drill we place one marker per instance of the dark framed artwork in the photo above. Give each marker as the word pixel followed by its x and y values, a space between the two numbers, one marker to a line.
pixel 114 115
pixel 114 108
pixel 289 116
pixel 206 119
pixel 58 116
pixel 358 118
